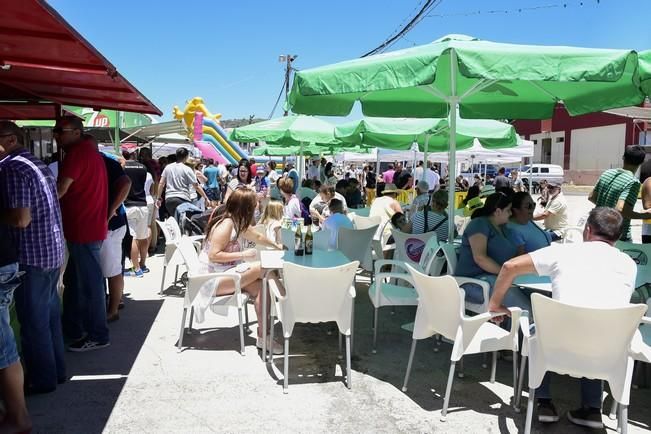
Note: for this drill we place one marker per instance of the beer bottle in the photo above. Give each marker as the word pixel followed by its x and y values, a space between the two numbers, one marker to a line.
pixel 309 240
pixel 298 242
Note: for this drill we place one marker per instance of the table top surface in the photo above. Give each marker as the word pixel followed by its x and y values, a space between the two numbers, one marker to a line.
pixel 274 259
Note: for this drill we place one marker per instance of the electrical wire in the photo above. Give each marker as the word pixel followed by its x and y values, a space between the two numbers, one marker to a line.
pixel 556 5
pixel 396 36
pixel 280 94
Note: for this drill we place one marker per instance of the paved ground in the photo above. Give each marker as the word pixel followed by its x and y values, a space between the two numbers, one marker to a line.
pixel 143 384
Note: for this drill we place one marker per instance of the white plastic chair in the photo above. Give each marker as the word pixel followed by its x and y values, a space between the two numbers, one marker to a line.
pixel 356 245
pixel 640 253
pixel 172 234
pixel 384 293
pixel 580 342
pixel 361 222
pixel 329 296
pixel 640 347
pixel 196 282
pixel 440 311
pixel 448 255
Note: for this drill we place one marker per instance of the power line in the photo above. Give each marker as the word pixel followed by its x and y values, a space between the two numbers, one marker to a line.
pixel 556 5
pixel 427 7
pixel 282 89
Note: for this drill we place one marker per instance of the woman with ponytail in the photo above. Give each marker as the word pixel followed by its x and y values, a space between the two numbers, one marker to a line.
pixel 486 246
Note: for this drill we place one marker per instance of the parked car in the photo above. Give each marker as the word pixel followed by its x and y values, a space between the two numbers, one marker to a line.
pixel 532 174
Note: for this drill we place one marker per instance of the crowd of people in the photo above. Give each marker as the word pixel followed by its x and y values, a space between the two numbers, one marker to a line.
pixel 86 215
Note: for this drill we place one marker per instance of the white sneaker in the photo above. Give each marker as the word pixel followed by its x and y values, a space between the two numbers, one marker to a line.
pixel 276 348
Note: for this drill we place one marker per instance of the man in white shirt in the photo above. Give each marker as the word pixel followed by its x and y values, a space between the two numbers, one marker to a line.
pixel 313 171
pixel 419 172
pixel 319 205
pixel 591 274
pixel 555 212
pixel 432 178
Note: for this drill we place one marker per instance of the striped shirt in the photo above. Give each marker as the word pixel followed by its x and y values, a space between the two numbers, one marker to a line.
pixel 26 182
pixel 433 219
pixel 615 185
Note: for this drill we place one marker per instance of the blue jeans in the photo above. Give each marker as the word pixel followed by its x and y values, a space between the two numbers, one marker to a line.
pixel 39 312
pixel 514 296
pixel 8 283
pixel 591 391
pixel 84 299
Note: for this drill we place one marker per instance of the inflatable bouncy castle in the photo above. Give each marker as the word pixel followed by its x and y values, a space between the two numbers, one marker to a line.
pixel 209 137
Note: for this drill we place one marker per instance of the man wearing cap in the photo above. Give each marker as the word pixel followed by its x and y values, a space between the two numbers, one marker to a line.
pixel 501 181
pixel 292 173
pixel 555 212
pixel 422 198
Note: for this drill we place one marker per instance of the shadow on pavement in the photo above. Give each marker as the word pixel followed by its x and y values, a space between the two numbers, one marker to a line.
pixel 84 404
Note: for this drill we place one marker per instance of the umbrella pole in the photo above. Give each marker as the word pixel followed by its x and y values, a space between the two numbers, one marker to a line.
pixel 452 169
pixel 301 161
pixel 425 165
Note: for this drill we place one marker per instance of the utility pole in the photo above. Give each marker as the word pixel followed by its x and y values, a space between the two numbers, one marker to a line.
pixel 288 59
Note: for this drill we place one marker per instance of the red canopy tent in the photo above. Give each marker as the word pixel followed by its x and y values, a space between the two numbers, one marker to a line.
pixel 43 59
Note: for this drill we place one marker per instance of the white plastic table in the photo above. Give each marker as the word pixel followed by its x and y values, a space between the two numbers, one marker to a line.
pixel 533 281
pixel 271 260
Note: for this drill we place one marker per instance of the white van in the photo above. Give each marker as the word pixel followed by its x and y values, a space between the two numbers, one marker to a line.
pixel 534 173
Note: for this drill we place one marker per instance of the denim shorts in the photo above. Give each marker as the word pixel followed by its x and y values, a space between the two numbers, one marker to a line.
pixel 8 283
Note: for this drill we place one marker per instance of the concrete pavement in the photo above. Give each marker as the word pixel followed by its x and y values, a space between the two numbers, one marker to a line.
pixel 143 384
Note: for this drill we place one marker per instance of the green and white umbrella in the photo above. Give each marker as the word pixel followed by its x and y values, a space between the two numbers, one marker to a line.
pixel 287 131
pixel 431 135
pixel 477 79
pixel 645 71
pixel 308 150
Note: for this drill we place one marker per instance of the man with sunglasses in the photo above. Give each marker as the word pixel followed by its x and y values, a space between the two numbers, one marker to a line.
pixel 83 192
pixel 30 209
pixel 554 214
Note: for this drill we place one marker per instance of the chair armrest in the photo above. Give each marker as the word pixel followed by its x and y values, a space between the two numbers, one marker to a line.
pixel 203 278
pixel 384 262
pixel 197 237
pixel 400 276
pixel 524 325
pixel 516 314
pixel 351 291
pixel 645 320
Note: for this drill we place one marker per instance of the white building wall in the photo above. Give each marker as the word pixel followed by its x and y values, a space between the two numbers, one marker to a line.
pixel 597 148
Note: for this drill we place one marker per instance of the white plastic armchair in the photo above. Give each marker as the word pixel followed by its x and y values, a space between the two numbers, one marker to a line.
pixel 448 252
pixel 201 287
pixel 172 234
pixel 329 296
pixel 581 342
pixel 395 287
pixel 361 222
pixel 441 311
pixel 356 245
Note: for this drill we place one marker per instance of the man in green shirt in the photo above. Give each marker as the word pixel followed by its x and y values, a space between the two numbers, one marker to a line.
pixel 618 188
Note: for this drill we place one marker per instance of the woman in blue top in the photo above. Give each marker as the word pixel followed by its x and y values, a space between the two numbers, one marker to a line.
pixel 486 246
pixel 522 231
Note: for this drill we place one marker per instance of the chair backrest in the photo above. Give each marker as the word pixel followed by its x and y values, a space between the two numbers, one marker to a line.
pixel 572 234
pixel 366 222
pixel 174 228
pixel 429 254
pixel 585 342
pixel 287 238
pixel 640 253
pixel 321 239
pixel 450 254
pixel 325 298
pixel 409 247
pixel 356 244
pixel 440 305
pixel 189 253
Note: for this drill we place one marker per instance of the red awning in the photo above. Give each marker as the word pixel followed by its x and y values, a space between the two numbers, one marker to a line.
pixel 42 58
pixel 31 111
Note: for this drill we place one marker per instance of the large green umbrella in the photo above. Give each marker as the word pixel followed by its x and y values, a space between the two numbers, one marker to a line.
pixel 308 150
pixel 432 135
pixel 480 79
pixel 645 71
pixel 287 131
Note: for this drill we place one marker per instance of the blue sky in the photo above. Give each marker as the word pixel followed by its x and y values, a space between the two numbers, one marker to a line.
pixel 227 52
